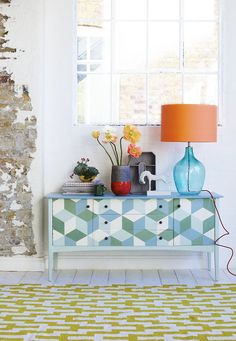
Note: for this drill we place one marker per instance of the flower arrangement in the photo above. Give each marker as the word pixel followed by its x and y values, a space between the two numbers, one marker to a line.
pixel 109 137
pixel 84 171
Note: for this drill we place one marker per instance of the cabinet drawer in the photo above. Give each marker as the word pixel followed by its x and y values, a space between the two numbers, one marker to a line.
pixel 153 207
pixel 129 230
pixel 131 222
pixel 108 206
pixel 72 222
pixel 137 237
pixel 194 222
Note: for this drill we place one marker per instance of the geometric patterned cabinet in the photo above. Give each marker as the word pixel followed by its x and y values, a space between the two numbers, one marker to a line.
pixel 170 222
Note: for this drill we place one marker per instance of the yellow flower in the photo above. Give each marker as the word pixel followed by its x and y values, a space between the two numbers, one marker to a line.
pixel 110 138
pixel 131 134
pixel 96 134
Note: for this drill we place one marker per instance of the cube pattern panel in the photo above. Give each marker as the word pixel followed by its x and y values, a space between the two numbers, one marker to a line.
pixel 72 222
pixel 194 222
pixel 133 222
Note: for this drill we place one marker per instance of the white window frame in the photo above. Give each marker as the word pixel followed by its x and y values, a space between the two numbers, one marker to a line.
pixel 181 70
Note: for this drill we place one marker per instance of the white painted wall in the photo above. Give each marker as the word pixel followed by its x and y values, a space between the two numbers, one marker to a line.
pixel 63 144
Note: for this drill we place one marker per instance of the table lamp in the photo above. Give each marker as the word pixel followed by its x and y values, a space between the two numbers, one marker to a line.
pixel 189 123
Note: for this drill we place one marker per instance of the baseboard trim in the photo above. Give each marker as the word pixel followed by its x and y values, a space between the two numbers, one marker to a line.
pixel 22 263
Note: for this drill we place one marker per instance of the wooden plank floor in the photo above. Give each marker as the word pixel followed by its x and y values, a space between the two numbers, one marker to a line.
pixel 109 277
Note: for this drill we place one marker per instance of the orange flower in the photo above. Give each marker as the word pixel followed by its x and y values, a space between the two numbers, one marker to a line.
pixel 134 150
pixel 110 138
pixel 96 134
pixel 131 134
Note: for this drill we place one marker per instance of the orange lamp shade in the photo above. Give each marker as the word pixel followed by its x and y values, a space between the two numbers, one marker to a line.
pixel 188 123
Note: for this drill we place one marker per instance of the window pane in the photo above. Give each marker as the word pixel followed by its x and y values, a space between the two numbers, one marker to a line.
pixel 82 68
pixel 200 89
pixel 130 47
pixel 93 9
pixel 129 105
pixel 96 48
pixel 94 44
pixel 200 9
pixel 94 67
pixel 82 48
pixel 163 89
pixel 130 9
pixel 201 46
pixel 94 99
pixel 163 45
pixel 163 9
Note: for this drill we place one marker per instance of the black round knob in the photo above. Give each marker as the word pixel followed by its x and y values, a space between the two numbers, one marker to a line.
pixel 88 206
pixel 160 222
pixel 105 206
pixel 160 206
pixel 178 205
pixel 106 238
pixel 160 238
pixel 105 222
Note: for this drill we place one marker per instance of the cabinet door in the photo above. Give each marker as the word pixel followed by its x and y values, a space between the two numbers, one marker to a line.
pixel 194 222
pixel 72 222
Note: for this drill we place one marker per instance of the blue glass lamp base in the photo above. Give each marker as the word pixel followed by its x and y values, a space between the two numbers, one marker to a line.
pixel 189 174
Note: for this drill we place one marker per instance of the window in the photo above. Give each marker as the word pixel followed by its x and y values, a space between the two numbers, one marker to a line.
pixel 135 55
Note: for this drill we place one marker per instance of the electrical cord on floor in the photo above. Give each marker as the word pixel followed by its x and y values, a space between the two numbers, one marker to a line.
pixel 223 235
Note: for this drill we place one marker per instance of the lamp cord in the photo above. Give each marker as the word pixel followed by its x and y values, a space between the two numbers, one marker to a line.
pixel 223 235
pixel 226 233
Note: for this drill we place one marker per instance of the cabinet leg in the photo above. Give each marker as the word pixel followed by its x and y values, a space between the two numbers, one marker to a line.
pixel 209 261
pixel 216 262
pixel 50 265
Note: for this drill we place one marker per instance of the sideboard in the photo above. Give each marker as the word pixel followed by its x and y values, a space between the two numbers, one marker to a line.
pixel 133 222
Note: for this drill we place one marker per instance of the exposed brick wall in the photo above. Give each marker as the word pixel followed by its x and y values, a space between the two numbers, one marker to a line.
pixel 3 40
pixel 16 148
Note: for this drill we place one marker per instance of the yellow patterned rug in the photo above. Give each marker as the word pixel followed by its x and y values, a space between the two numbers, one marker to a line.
pixel 117 312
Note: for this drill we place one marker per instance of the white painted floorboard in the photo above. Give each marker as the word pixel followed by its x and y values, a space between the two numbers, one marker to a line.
pixel 203 277
pixel 133 277
pixel 83 277
pixel 99 277
pixel 151 277
pixel 116 277
pixel 168 277
pixel 185 277
pixel 109 277
pixel 11 277
pixel 32 277
pixel 65 276
pixel 229 276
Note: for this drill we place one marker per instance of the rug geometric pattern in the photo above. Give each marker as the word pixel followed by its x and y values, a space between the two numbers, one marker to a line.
pixel 117 312
pixel 133 222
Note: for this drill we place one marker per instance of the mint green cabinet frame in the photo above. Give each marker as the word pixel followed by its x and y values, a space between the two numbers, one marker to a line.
pixel 135 222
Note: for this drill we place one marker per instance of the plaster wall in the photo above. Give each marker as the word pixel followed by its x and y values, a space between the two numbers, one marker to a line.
pixel 20 115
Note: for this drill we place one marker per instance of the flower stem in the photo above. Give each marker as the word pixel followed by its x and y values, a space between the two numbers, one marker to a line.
pixel 115 152
pixel 106 151
pixel 121 150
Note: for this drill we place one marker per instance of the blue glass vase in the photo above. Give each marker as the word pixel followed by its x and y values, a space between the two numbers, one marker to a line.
pixel 189 174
